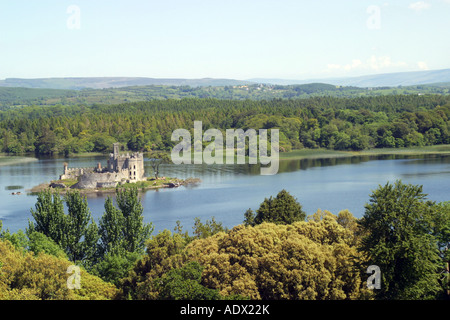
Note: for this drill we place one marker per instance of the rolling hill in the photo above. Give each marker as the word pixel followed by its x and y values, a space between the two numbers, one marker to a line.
pixel 11 97
pixel 377 80
pixel 368 81
pixel 113 82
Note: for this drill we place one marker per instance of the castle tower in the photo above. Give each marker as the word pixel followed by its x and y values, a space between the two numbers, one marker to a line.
pixel 116 150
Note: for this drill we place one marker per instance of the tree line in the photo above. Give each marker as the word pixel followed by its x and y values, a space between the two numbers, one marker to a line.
pixel 278 252
pixel 320 122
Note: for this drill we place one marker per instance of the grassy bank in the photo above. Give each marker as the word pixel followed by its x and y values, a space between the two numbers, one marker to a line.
pixel 325 153
pixel 292 155
pixel 6 160
pixel 150 183
pixel 87 154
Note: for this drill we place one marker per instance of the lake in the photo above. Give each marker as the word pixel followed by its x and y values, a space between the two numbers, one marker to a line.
pixel 227 191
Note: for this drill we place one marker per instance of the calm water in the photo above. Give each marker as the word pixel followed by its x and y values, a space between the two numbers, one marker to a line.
pixel 227 191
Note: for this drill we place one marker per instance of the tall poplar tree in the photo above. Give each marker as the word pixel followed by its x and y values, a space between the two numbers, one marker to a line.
pixel 122 228
pixel 111 226
pixel 122 235
pixel 48 216
pixel 75 232
pixel 81 231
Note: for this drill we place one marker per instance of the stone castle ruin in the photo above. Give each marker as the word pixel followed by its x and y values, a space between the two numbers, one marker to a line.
pixel 120 169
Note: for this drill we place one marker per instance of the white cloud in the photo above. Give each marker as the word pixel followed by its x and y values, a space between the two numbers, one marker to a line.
pixel 355 64
pixel 374 63
pixel 423 65
pixel 419 6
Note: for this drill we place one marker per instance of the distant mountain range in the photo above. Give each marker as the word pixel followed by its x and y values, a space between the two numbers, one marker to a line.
pixel 377 80
pixel 113 82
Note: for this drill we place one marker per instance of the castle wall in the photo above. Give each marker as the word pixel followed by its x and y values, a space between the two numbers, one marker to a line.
pixel 74 173
pixel 97 180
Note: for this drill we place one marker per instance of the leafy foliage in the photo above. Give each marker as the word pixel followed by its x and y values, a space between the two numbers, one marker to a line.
pixel 184 284
pixel 268 261
pixel 134 231
pixel 400 225
pixel 39 242
pixel 319 122
pixel 164 253
pixel 303 260
pixel 283 209
pixel 75 232
pixel 122 235
pixel 25 276
pixel 114 267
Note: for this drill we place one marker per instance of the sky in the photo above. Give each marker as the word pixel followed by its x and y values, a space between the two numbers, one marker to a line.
pixel 244 39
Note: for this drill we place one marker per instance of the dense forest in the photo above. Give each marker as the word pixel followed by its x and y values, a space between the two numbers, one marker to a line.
pixel 356 123
pixel 277 253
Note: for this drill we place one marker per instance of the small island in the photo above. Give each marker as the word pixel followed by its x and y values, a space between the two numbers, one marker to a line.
pixel 124 170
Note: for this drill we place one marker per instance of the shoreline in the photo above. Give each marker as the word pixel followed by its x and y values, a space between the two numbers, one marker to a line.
pixel 326 154
pixel 6 160
pixel 291 155
pixel 141 186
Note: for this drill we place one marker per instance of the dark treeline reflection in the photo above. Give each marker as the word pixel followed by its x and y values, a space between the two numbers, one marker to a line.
pixel 223 170
pixel 286 165
pixel 304 164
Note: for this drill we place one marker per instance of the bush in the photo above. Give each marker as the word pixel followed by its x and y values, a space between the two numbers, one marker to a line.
pixel 26 276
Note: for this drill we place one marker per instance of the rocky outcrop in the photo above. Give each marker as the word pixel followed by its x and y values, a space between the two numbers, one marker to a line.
pixel 173 185
pixel 57 185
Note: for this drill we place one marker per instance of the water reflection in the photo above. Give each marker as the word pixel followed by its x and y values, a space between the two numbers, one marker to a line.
pixel 226 191
pixel 13 187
